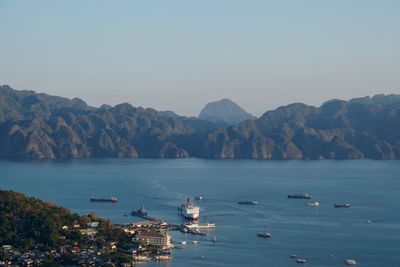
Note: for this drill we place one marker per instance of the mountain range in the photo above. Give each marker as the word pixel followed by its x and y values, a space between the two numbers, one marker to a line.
pixel 34 125
pixel 224 110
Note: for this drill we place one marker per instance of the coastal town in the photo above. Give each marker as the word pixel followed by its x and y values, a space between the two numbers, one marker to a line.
pixel 140 242
pixel 91 241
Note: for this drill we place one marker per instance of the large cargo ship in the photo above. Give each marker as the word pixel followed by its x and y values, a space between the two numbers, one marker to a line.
pixel 248 202
pixel 346 205
pixel 305 196
pixel 189 210
pixel 112 199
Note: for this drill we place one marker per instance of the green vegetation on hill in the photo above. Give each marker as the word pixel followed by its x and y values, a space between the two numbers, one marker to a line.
pixel 32 230
pixel 26 221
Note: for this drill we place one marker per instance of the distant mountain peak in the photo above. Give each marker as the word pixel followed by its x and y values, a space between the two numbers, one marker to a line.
pixel 224 110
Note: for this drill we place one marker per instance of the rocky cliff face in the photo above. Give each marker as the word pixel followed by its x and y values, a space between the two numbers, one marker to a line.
pixel 41 126
pixel 336 130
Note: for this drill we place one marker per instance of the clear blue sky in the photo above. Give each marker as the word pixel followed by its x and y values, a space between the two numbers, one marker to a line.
pixel 179 55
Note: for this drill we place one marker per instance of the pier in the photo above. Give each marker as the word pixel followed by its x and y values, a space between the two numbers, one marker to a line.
pixel 153 222
pixel 156 221
pixel 145 217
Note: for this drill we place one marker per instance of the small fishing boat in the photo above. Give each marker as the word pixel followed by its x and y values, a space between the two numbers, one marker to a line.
pixel 141 258
pixel 163 257
pixel 350 262
pixel 315 204
pixel 265 234
pixel 302 261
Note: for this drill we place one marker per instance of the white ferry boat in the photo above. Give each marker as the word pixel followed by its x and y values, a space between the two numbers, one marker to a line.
pixel 189 210
pixel 315 203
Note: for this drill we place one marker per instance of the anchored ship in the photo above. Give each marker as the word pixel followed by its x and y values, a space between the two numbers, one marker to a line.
pixel 305 196
pixel 112 199
pixel 350 262
pixel 189 210
pixel 248 202
pixel 265 234
pixel 140 212
pixel 346 205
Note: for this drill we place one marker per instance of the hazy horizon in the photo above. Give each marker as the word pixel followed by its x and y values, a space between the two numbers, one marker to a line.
pixel 181 55
pixel 195 115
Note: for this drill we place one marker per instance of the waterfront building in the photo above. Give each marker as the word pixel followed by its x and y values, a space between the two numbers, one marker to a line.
pixel 159 239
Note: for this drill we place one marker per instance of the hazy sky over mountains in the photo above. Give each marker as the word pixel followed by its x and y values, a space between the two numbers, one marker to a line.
pixel 179 55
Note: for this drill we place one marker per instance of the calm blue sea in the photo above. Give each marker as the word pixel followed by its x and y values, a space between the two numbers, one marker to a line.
pixel 325 236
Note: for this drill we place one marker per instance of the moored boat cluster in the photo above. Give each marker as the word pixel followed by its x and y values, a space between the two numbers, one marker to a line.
pixel 156 243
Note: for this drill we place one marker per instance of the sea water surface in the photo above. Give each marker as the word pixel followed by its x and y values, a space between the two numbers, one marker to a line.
pixel 323 235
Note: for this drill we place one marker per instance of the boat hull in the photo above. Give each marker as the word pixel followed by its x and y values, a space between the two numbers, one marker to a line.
pixel 113 200
pixel 342 205
pixel 190 216
pixel 247 202
pixel 299 196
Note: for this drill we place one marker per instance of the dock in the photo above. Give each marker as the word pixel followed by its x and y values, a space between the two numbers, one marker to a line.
pixel 200 226
pixel 193 228
pixel 146 217
pixel 191 231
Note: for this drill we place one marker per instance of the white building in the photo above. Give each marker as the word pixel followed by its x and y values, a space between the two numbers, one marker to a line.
pixel 154 238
